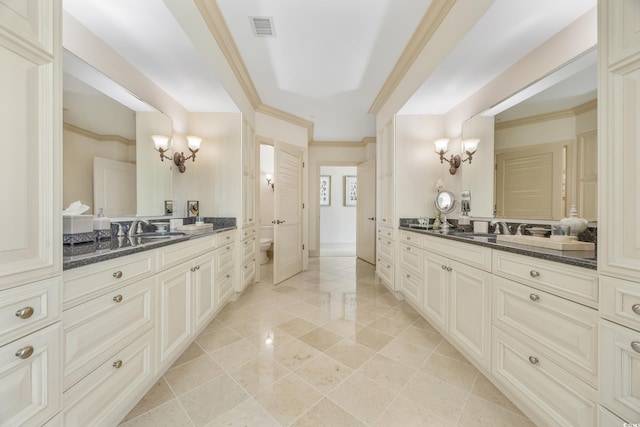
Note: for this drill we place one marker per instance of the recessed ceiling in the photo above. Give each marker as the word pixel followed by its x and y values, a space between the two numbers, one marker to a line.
pixel 328 60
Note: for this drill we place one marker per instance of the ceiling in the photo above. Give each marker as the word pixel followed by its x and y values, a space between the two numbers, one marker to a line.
pixel 328 60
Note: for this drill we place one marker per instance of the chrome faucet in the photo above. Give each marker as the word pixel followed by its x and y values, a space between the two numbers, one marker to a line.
pixel 506 229
pixel 520 228
pixel 136 226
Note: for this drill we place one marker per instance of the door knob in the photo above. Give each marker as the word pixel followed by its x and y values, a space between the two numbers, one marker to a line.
pixel 280 222
pixel 371 218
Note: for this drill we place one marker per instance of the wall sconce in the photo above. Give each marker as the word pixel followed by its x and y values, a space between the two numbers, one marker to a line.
pixel 269 183
pixel 194 146
pixel 161 143
pixel 470 146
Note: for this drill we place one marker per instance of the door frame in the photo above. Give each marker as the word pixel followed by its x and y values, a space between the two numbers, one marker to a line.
pixel 315 252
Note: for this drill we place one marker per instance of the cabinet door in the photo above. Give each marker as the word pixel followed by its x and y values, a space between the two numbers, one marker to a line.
pixel 30 385
pixel 436 289
pixel 175 327
pixel 31 120
pixel 205 303
pixel 470 306
pixel 224 287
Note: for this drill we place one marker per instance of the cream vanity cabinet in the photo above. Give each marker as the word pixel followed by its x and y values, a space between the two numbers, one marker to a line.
pixel 410 266
pixel 545 337
pixel 385 255
pixel 248 241
pixel 248 257
pixel 385 173
pixel 30 184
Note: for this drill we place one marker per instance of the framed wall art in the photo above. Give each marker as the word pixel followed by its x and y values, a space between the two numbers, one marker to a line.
pixel 325 190
pixel 350 190
pixel 193 208
pixel 168 207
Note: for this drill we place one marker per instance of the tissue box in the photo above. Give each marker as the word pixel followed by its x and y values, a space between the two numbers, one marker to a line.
pixel 75 224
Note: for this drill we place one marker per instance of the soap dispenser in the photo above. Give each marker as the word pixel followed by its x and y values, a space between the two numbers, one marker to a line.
pixel 102 223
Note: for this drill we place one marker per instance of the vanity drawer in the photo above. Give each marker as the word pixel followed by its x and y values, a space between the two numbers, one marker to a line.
pixel 223 238
pixel 620 301
pixel 411 238
pixel 83 283
pixel 106 395
pixel 93 331
pixel 553 394
pixel 575 283
pixel 385 270
pixel 224 285
pixel 559 329
pixel 411 258
pixel 172 255
pixel 248 249
pixel 411 287
pixel 248 272
pixel 385 248
pixel 224 259
pixel 247 232
pixel 466 253
pixel 29 307
pixel 386 232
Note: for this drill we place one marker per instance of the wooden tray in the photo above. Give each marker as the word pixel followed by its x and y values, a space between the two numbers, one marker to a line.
pixel 545 242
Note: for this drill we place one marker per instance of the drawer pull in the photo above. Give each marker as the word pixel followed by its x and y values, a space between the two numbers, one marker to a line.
pixel 193 269
pixel 408 248
pixel 534 273
pixel 533 360
pixel 117 364
pixel 534 297
pixel 228 247
pixel 408 238
pixel 449 268
pixel 636 309
pixel 25 352
pixel 228 276
pixel 228 237
pixel 117 298
pixel 635 345
pixel 408 276
pixel 25 313
pixel 117 274
pixel 444 267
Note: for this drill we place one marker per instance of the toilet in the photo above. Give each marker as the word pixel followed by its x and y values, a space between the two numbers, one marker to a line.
pixel 266 240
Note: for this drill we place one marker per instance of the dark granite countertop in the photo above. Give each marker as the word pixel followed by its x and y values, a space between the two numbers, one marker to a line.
pixel 81 254
pixel 586 259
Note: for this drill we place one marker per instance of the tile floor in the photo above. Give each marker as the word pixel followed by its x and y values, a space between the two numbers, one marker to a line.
pixel 328 347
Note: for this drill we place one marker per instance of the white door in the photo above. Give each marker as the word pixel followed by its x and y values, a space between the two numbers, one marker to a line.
pixel 109 178
pixel 287 229
pixel 365 212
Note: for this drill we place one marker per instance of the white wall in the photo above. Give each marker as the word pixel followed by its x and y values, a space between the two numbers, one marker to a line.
pixel 267 196
pixel 338 222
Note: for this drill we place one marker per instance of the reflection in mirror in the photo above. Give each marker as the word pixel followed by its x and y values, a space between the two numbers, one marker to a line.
pixel 545 146
pixel 445 202
pixel 109 160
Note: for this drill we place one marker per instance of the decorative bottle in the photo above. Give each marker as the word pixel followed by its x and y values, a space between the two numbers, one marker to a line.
pixel 577 224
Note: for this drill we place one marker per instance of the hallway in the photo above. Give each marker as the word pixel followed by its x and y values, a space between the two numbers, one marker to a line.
pixel 327 347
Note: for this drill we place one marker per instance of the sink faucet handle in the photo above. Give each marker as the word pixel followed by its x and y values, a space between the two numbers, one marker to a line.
pixel 520 229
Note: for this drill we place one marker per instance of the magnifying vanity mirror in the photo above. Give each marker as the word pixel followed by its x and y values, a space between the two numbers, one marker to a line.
pixel 445 203
pixel 109 159
pixel 544 155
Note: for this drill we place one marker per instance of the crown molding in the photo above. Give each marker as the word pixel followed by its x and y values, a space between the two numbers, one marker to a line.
pixel 97 136
pixel 287 117
pixel 215 21
pixel 427 27
pixel 554 115
pixel 344 144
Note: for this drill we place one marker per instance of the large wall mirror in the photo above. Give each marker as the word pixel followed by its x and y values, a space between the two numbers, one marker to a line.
pixel 544 148
pixel 109 159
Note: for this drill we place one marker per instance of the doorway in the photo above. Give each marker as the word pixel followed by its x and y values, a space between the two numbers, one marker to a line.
pixel 337 212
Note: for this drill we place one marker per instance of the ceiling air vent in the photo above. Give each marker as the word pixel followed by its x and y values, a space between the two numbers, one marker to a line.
pixel 262 26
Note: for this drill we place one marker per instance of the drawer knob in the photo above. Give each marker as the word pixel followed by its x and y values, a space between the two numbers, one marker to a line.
pixel 636 309
pixel 408 248
pixel 193 269
pixel 449 268
pixel 635 345
pixel 534 273
pixel 25 313
pixel 25 352
pixel 117 298
pixel 533 360
pixel 534 297
pixel 117 364
pixel 408 276
pixel 117 274
pixel 228 247
pixel 444 267
pixel 228 237
pixel 228 276
pixel 408 238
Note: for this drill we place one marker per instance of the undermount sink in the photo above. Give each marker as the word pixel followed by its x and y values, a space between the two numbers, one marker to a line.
pixel 471 234
pixel 158 235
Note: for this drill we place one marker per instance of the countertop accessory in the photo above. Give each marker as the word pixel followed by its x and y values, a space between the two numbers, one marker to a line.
pixel 445 203
pixel 538 231
pixel 577 224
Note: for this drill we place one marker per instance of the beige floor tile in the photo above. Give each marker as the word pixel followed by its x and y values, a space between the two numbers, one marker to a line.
pixel 159 394
pixel 323 373
pixel 449 370
pixel 276 316
pixel 405 413
pixel 192 352
pixel 259 375
pixel 420 337
pixel 299 308
pixel 480 413
pixel 327 414
pixel 192 374
pixel 297 327
pixel 388 326
pixel 233 317
pixel 406 353
pixel 249 327
pixel 484 389
pixel 424 324
pixel 218 339
pixel 267 340
pixel 285 289
pixel 447 349
pixel 213 326
pixel 387 372
pixel 294 354
pixel 205 403
pixel 402 316
pixel 350 353
pixel 371 338
pixel 235 355
pixel 362 397
pixel 443 399
pixel 319 317
pixel 320 338
pixel 343 327
pixel 247 414
pixel 169 414
pixel 289 399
